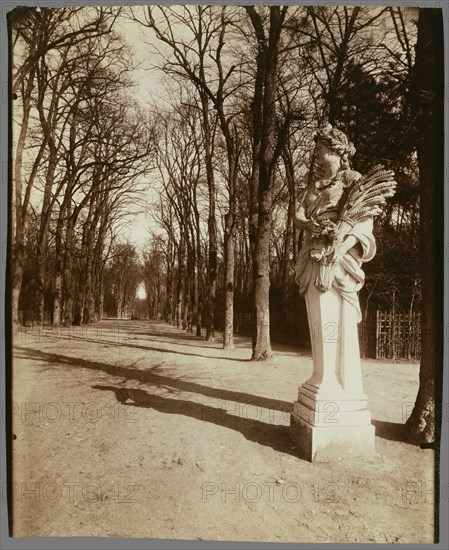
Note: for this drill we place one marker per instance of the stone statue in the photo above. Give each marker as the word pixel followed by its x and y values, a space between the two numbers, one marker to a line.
pixel 336 215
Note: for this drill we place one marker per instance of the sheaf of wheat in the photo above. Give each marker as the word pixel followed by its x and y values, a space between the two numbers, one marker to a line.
pixel 366 199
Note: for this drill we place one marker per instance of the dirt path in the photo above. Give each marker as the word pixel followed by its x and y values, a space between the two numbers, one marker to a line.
pixel 135 429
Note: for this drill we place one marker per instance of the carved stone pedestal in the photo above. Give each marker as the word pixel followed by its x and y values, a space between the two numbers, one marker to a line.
pixel 330 424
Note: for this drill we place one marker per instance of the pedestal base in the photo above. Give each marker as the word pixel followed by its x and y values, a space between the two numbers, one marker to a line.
pixel 326 428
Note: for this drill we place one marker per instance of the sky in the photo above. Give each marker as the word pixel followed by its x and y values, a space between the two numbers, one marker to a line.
pixel 150 91
pixel 148 88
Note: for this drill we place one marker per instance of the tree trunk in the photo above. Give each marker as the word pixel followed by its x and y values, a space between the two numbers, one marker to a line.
pixel 97 272
pixel 190 275
pixel 256 111
pixel 229 253
pixel 58 280
pixel 211 223
pixel 170 283
pixel 262 347
pixel 68 267
pixel 57 298
pixel 198 274
pixel 100 298
pixel 17 261
pixel 18 208
pixel 229 257
pixel 89 301
pixel 288 248
pixel 428 92
pixel 42 244
pixel 264 123
pixel 180 294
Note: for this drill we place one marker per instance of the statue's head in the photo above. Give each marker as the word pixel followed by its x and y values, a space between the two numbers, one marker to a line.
pixel 337 142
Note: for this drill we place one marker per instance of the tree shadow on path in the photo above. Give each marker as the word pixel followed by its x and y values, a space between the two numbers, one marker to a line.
pixel 275 436
pixel 152 377
pixel 392 431
pixel 270 435
pixel 395 431
pixel 153 348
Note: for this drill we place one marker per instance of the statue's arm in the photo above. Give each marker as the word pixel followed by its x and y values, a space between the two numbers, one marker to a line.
pixel 303 222
pixel 342 249
pixel 348 243
pixel 301 219
pixel 362 238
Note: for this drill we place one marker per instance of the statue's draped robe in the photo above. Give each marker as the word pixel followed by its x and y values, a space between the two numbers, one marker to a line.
pixel 333 315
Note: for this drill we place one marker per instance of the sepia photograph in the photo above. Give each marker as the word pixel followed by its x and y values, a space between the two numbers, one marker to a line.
pixel 224 272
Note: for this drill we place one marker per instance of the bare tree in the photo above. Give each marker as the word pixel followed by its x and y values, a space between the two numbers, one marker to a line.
pixel 179 160
pixel 268 141
pixel 36 34
pixel 338 36
pixel 216 84
pixel 123 275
